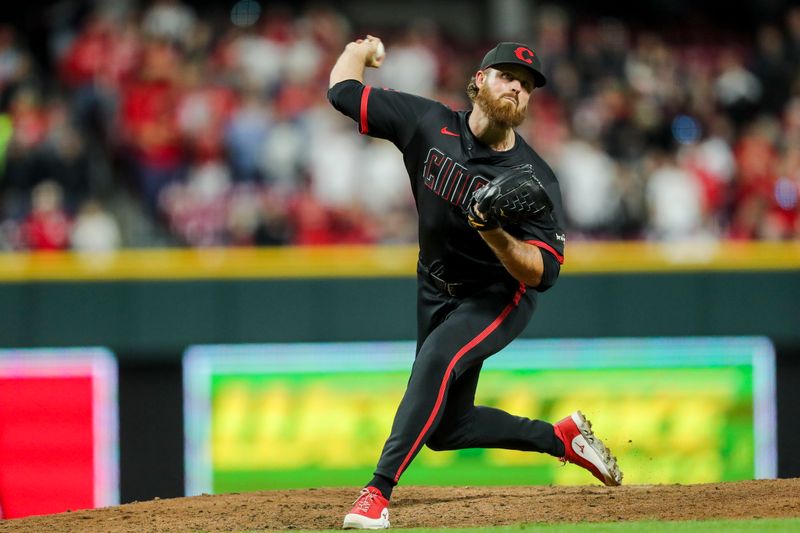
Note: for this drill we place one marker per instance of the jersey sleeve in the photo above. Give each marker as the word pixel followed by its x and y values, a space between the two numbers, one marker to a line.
pixel 382 113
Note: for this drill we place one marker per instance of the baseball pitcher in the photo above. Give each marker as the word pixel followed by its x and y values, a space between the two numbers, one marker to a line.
pixel 491 238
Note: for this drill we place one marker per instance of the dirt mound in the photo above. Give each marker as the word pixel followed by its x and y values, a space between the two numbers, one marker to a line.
pixel 433 507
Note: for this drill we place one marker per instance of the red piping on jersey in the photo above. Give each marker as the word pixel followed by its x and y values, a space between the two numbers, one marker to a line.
pixel 362 122
pixel 549 248
pixel 443 387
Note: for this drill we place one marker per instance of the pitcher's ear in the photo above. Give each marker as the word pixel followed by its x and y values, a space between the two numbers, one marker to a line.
pixel 480 78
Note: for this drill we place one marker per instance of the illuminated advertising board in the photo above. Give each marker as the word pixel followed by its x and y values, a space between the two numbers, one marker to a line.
pixel 673 410
pixel 58 431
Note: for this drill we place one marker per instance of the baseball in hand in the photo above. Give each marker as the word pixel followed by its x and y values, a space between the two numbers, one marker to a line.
pixel 376 58
pixel 380 52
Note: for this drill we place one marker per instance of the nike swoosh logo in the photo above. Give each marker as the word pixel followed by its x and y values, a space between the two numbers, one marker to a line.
pixel 445 131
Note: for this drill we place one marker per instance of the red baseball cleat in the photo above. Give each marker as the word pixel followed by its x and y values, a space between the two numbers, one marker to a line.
pixel 370 511
pixel 584 449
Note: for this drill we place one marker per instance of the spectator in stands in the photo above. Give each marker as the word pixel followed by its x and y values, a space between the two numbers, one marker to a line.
pixel 674 200
pixel 150 128
pixel 737 89
pixel 95 229
pixel 757 163
pixel 47 227
pixel 411 65
pixel 65 158
pixel 587 176
pixel 170 20
pixel 24 151
pixel 257 218
pixel 244 136
pixel 165 98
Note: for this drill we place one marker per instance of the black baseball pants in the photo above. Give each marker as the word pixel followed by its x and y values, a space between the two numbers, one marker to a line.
pixel 454 337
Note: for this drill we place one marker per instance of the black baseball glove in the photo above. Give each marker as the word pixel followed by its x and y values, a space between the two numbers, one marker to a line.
pixel 513 196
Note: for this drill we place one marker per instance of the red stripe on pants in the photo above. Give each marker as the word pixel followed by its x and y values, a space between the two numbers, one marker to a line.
pixel 443 387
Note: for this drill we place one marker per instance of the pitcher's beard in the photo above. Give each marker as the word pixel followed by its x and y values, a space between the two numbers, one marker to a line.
pixel 500 111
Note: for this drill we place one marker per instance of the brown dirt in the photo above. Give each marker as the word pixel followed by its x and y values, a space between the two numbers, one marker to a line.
pixel 433 507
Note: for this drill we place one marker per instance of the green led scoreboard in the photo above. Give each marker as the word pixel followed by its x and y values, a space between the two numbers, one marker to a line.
pixel 673 410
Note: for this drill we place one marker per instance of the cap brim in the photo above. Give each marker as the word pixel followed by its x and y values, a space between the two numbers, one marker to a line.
pixel 538 77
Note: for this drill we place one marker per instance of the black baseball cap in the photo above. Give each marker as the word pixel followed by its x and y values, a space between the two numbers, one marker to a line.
pixel 515 54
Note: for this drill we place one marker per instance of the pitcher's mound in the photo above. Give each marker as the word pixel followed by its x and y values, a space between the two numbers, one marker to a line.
pixel 433 507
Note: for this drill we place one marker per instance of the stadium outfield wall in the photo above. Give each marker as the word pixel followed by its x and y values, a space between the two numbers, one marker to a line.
pixel 148 306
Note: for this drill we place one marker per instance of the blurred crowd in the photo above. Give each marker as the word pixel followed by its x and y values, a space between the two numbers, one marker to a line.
pixel 157 125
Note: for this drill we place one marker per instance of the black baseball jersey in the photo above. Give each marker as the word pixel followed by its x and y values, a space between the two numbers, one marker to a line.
pixel 446 164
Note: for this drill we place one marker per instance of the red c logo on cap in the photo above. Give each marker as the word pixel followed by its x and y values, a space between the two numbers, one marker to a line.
pixel 522 51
